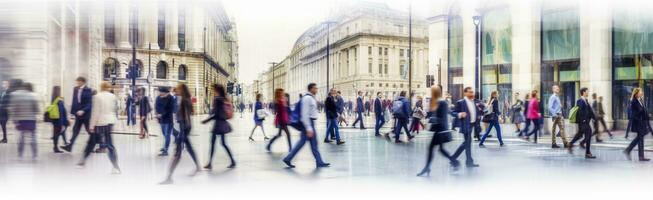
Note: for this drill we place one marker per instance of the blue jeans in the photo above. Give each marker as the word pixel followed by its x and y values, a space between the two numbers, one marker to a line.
pixel 380 120
pixel 166 129
pixel 497 126
pixel 359 118
pixel 332 128
pixel 302 140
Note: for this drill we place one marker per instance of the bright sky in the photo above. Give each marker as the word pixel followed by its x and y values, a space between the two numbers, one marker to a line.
pixel 268 29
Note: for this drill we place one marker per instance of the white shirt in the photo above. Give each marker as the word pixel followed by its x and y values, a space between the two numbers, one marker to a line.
pixel 471 107
pixel 79 93
pixel 309 111
pixel 105 106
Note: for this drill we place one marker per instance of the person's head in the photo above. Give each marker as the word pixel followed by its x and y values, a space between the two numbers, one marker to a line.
pixel 494 94
pixel 402 94
pixel 278 94
pixel 378 94
pixel 173 91
pixel 333 92
pixel 5 85
pixel 258 97
pixel 469 92
pixel 637 93
pixel 163 91
pixel 105 86
pixel 555 89
pixel 436 94
pixel 527 96
pixel 594 96
pixel 584 92
pixel 56 92
pixel 15 84
pixel 28 87
pixel 360 93
pixel 600 99
pixel 183 91
pixel 219 90
pixel 80 81
pixel 419 98
pixel 312 88
pixel 534 94
pixel 339 93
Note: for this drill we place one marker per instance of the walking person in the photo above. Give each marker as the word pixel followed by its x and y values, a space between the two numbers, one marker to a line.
pixel 81 108
pixel 417 116
pixel 57 114
pixel 630 120
pixel 439 118
pixel 241 108
pixel 131 110
pixel 359 111
pixel 222 111
pixel 164 106
pixel 534 115
pixel 401 111
pixel 597 106
pixel 555 110
pixel 528 122
pixel 309 114
pixel 379 114
pixel 493 118
pixel 332 119
pixel 259 117
pixel 144 110
pixel 185 125
pixel 640 125
pixel 282 117
pixel 467 112
pixel 104 116
pixel 517 114
pixel 24 107
pixel 4 109
pixel 583 117
pixel 340 104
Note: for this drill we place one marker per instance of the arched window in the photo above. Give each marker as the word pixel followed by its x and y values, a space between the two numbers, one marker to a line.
pixel 182 72
pixel 110 67
pixel 162 70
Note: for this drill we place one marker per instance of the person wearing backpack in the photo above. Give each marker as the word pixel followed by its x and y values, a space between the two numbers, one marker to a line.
pixel 222 111
pixel 164 107
pixel 281 118
pixel 640 124
pixel 57 115
pixel 308 115
pixel 555 110
pixel 401 110
pixel 583 118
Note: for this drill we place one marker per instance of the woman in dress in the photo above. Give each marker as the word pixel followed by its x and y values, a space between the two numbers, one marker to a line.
pixel 221 126
pixel 439 109
pixel 182 141
pixel 258 120
pixel 517 114
pixel 282 118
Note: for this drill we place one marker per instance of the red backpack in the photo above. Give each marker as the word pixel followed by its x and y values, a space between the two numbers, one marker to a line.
pixel 228 109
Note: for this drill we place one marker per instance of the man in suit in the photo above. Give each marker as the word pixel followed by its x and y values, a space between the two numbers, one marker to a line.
pixel 359 110
pixel 468 114
pixel 4 109
pixel 583 117
pixel 164 107
pixel 340 106
pixel 597 107
pixel 378 113
pixel 81 109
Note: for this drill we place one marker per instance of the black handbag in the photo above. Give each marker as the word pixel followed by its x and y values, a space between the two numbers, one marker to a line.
pixel 487 118
pixel 443 137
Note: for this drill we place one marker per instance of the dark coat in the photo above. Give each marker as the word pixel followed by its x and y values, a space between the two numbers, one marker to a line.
pixel 331 108
pixel 165 107
pixel 85 104
pixel 144 107
pixel 63 119
pixel 4 105
pixel 465 123
pixel 585 113
pixel 640 119
pixel 378 108
pixel 221 126
pixel 359 104
pixel 441 116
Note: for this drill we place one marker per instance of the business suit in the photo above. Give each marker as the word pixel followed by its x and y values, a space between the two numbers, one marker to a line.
pixel 82 101
pixel 359 112
pixel 378 113
pixel 467 125
pixel 640 125
pixel 583 117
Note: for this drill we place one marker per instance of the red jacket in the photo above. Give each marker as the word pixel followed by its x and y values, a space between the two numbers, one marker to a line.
pixel 281 116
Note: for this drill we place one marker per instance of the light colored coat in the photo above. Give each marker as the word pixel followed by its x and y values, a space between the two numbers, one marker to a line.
pixel 105 107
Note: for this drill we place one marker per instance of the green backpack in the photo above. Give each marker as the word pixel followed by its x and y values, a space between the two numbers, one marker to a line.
pixel 53 109
pixel 572 114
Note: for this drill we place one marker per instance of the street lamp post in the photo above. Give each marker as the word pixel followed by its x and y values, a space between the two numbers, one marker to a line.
pixel 410 53
pixel 477 82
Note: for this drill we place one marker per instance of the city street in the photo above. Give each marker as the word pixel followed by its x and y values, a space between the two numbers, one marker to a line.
pixel 365 164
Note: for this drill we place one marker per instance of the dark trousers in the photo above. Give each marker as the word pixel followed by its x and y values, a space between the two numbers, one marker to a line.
pixel 524 131
pixel 332 129
pixel 630 123
pixel 181 142
pixel 401 123
pixel 536 129
pixel 102 132
pixel 596 127
pixel 380 121
pixel 639 142
pixel 3 124
pixel 415 125
pixel 584 130
pixel 302 140
pixel 76 128
pixel 57 132
pixel 166 129
pixel 497 127
pixel 359 118
pixel 444 152
pixel 466 146
pixel 284 128
pixel 144 124
pixel 224 145
pixel 131 117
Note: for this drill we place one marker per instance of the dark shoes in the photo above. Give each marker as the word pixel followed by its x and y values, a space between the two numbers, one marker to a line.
pixel 3 140
pixel 472 165
pixel 57 151
pixel 323 165
pixel 290 165
pixel 208 167
pixel 67 148
pixel 425 172
pixel 589 156
pixel 481 146
pixel 233 165
pixel 340 142
pixel 555 146
pixel 644 159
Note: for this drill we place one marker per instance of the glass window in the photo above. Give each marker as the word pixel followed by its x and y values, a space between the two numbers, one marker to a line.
pixel 496 55
pixel 110 68
pixel 161 27
pixel 182 28
pixel 161 70
pixel 109 23
pixel 182 72
pixel 455 54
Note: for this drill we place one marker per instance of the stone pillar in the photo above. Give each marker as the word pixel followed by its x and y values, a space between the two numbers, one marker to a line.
pixel 122 24
pixel 172 27
pixel 526 53
pixel 150 24
pixel 438 48
pixel 469 45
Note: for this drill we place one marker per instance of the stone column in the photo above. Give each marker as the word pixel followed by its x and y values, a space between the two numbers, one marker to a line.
pixel 122 23
pixel 526 64
pixel 150 24
pixel 172 27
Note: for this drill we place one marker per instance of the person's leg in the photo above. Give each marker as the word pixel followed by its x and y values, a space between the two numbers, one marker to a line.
pixel 632 144
pixel 497 128
pixel 405 125
pixel 329 132
pixel 3 125
pixel 108 143
pixel 211 151
pixel 189 148
pixel 166 137
pixel 628 127
pixel 252 133
pixel 21 143
pixel 226 148
pixel 274 138
pixel 285 128
pixel 77 126
pixel 429 156
pixel 360 115
pixel 468 149
pixel 32 135
pixel 556 121
pixel 56 131
pixel 90 145
pixel 524 131
pixel 397 129
pixel 315 151
pixel 487 132
pixel 640 146
pixel 177 156
pixel 461 147
pixel 336 130
pixel 263 130
pixel 298 146
pixel 605 127
pixel 588 139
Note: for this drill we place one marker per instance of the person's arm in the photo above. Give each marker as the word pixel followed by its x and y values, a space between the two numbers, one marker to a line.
pixel 306 112
pixel 89 101
pixel 95 116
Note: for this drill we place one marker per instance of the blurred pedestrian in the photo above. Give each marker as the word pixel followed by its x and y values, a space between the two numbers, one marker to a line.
pixel 640 124
pixel 534 114
pixel 81 108
pixel 282 117
pixel 379 113
pixel 144 109
pixel 468 112
pixel 164 107
pixel 332 118
pixel 555 111
pixel 24 106
pixel 401 111
pixel 222 111
pixel 417 116
pixel 57 114
pixel 359 111
pixel 517 114
pixel 583 117
pixel 597 106
pixel 4 109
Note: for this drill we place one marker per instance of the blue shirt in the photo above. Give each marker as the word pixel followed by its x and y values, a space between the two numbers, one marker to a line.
pixel 554 106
